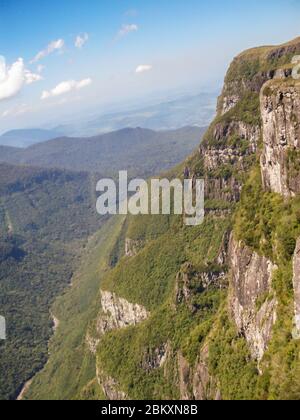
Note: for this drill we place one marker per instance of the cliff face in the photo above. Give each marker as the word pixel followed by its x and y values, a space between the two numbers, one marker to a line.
pixel 280 104
pixel 296 284
pixel 215 304
pixel 118 313
pixel 252 304
pixel 197 383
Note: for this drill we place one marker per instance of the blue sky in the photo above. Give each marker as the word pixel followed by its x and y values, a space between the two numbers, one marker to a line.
pixel 67 57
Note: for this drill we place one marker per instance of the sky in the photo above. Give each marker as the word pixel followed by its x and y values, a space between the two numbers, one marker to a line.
pixel 61 59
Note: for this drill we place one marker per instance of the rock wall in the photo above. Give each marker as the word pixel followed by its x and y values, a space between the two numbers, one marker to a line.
pixel 115 313
pixel 296 283
pixel 118 313
pixel 197 383
pixel 110 387
pixel 221 157
pixel 280 160
pixel 252 305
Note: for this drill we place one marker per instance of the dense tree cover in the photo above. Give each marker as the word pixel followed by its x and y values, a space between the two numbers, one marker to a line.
pixel 70 370
pixel 45 218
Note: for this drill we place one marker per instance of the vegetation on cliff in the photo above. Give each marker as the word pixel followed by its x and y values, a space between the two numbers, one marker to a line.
pixel 190 346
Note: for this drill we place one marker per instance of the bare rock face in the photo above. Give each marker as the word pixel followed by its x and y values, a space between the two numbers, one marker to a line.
pixel 197 384
pixel 190 282
pixel 92 343
pixel 155 359
pixel 234 89
pixel 296 282
pixel 252 282
pixel 184 373
pixel 215 156
pixel 222 185
pixel 204 385
pixel 110 387
pixel 229 102
pixel 115 313
pixel 280 109
pixel 118 313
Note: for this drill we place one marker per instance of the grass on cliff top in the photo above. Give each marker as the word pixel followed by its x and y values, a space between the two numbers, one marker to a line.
pixel 262 59
pixel 273 86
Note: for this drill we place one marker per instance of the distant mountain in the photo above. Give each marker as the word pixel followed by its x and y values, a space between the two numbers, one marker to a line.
pixel 185 111
pixel 27 137
pixel 141 151
pixel 8 154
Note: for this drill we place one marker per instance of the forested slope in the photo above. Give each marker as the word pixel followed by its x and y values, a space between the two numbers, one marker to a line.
pixel 212 312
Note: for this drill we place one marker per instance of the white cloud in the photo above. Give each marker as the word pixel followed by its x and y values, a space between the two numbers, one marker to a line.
pixel 81 40
pixel 52 47
pixel 126 29
pixel 143 68
pixel 16 111
pixel 31 77
pixel 13 78
pixel 66 87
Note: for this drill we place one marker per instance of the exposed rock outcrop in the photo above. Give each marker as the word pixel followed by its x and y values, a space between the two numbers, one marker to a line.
pixel 184 372
pixel 236 85
pixel 296 283
pixel 197 383
pixel 156 358
pixel 280 161
pixel 205 387
pixel 252 306
pixel 225 154
pixel 235 88
pixel 115 313
pixel 190 282
pixel 118 313
pixel 110 387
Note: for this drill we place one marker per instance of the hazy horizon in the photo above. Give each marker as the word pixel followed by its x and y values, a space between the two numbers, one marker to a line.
pixel 75 60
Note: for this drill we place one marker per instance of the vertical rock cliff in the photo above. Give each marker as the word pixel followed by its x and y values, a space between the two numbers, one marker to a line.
pixel 296 284
pixel 213 312
pixel 218 302
pixel 252 301
pixel 280 104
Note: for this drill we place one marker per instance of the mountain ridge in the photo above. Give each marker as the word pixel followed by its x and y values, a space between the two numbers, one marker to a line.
pixel 105 153
pixel 26 137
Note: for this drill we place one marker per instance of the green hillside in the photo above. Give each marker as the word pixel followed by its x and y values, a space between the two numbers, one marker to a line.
pixel 45 218
pixel 70 367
